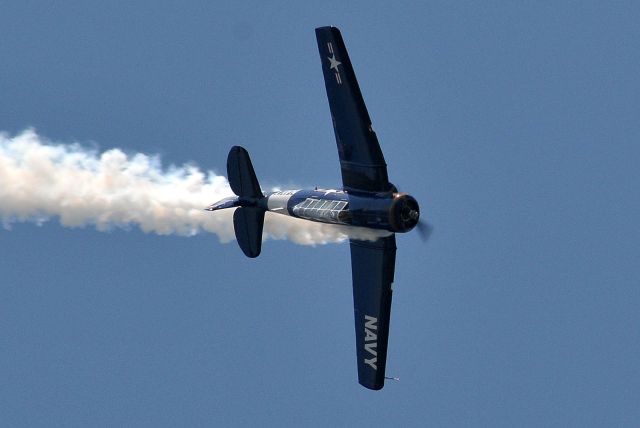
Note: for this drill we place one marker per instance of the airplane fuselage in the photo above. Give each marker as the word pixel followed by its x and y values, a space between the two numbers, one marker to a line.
pixel 395 212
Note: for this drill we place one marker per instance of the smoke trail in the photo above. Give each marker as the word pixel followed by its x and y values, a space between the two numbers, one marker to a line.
pixel 40 180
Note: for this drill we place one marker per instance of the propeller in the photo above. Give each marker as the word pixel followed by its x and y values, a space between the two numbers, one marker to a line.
pixel 425 230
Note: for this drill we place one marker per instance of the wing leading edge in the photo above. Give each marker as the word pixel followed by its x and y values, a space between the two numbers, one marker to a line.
pixel 372 268
pixel 361 160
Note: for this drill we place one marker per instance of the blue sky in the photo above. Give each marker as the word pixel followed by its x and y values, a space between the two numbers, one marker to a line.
pixel 514 125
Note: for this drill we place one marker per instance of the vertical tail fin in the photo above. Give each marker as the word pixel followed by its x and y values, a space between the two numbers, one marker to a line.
pixel 248 220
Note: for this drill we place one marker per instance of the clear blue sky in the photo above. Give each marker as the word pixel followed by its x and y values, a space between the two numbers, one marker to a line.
pixel 516 126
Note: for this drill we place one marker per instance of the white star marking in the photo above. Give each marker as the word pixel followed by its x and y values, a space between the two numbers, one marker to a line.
pixel 334 63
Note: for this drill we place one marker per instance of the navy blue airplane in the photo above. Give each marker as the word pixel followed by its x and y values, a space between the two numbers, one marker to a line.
pixel 367 199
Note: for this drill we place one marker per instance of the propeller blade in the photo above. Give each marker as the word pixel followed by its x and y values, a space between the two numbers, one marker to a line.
pixel 425 230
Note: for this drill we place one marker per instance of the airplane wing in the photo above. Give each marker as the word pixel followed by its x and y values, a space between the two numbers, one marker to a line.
pixel 372 268
pixel 361 160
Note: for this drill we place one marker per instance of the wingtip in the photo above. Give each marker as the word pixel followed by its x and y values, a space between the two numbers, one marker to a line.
pixel 327 28
pixel 375 387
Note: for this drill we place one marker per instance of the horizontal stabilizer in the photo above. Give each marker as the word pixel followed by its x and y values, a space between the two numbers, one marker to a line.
pixel 242 177
pixel 247 223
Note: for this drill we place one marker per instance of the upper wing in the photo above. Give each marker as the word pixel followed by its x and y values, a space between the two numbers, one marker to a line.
pixel 372 267
pixel 361 160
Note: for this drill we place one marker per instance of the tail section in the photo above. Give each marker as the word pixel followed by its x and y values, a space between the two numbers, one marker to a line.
pixel 247 223
pixel 230 202
pixel 248 219
pixel 241 175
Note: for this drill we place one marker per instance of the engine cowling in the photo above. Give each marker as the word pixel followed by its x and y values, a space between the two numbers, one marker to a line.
pixel 404 213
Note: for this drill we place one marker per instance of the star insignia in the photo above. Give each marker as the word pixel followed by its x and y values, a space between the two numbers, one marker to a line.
pixel 334 63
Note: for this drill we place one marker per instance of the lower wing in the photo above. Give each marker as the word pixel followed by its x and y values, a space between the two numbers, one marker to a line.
pixel 372 267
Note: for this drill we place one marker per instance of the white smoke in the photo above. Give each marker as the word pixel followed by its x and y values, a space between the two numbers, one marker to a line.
pixel 40 180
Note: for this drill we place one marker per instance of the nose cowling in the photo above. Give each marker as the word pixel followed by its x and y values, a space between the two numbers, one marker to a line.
pixel 404 213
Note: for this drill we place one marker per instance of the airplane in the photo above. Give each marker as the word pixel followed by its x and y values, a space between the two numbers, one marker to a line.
pixel 367 199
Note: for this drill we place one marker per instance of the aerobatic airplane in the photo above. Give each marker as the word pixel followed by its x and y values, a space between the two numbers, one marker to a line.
pixel 367 199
